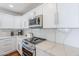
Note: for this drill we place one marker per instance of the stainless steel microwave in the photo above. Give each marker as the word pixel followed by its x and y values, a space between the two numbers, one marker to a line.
pixel 36 22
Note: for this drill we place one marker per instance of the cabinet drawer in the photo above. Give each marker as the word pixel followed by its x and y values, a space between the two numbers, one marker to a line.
pixel 4 50
pixel 5 46
pixel 5 43
pixel 5 40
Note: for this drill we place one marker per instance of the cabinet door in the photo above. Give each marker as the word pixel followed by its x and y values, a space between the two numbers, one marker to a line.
pixel 25 20
pixel 7 21
pixel 6 46
pixel 49 15
pixel 68 15
pixel 14 43
pixel 38 10
pixel 19 44
pixel 1 19
pixel 17 22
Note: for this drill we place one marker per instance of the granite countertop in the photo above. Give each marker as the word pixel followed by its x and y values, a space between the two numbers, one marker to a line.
pixel 57 49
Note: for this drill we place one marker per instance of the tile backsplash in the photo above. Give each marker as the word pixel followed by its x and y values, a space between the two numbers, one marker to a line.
pixel 64 36
pixel 48 34
pixel 54 35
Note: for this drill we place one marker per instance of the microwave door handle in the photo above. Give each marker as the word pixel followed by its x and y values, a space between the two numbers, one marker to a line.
pixel 36 20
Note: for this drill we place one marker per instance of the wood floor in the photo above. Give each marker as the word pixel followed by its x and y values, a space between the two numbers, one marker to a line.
pixel 15 53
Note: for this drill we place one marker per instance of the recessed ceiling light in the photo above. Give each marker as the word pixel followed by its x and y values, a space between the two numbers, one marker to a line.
pixel 11 6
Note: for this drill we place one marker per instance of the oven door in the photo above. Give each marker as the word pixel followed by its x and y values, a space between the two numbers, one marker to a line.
pixel 26 52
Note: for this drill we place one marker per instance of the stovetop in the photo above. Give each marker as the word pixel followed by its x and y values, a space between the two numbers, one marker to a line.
pixel 35 40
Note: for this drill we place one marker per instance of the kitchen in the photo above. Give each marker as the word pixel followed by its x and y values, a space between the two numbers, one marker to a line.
pixel 39 29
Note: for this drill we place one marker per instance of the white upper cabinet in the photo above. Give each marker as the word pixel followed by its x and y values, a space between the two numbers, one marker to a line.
pixel 17 22
pixel 10 21
pixel 38 10
pixel 49 15
pixel 29 15
pixel 68 15
pixel 1 18
pixel 6 21
pixel 25 20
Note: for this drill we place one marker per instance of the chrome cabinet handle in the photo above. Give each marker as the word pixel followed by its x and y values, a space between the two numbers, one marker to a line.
pixel 55 19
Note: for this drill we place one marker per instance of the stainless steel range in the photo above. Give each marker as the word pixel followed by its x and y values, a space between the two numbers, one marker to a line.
pixel 28 47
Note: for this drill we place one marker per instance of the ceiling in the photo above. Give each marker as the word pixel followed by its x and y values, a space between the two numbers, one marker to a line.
pixel 17 8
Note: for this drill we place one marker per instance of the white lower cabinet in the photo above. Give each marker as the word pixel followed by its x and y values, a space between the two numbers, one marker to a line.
pixel 40 52
pixel 19 43
pixel 7 45
pixel 19 46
